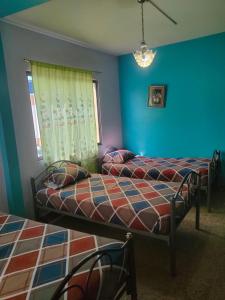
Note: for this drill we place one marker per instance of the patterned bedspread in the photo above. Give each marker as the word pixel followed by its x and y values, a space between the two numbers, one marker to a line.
pixel 132 203
pixel 35 257
pixel 165 169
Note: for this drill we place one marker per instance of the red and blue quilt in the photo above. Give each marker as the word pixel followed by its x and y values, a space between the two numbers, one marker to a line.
pixel 164 169
pixel 132 203
pixel 35 257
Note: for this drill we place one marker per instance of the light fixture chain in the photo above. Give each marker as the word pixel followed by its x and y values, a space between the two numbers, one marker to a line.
pixel 142 19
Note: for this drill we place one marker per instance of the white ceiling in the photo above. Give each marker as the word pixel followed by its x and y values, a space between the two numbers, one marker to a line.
pixel 114 25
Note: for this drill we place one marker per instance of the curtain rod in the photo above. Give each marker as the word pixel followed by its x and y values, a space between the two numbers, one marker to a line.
pixel 94 71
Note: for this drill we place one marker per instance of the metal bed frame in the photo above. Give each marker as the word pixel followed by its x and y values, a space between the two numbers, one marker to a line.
pixel 191 181
pixel 212 173
pixel 125 281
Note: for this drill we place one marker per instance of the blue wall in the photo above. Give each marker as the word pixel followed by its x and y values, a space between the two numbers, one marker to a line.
pixel 193 121
pixel 8 145
pixel 12 6
pixel 7 135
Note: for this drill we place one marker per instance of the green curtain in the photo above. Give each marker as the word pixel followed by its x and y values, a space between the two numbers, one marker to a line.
pixel 65 108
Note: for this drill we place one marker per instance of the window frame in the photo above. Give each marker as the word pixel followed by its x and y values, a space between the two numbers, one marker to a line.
pixel 97 107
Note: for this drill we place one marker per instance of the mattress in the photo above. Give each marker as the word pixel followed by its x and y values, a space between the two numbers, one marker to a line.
pixel 137 204
pixel 35 257
pixel 163 169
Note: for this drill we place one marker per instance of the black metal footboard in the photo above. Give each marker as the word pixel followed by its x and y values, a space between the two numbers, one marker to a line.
pixel 117 278
pixel 190 185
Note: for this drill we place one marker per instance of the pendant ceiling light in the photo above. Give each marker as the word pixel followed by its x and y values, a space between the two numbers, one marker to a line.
pixel 144 56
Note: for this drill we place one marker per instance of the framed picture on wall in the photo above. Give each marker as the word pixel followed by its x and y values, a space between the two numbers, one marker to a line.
pixel 157 95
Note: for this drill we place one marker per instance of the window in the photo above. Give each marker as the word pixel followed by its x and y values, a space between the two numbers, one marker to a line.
pixel 35 117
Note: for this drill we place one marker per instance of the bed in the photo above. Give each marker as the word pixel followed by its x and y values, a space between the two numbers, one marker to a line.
pixel 44 261
pixel 123 163
pixel 147 207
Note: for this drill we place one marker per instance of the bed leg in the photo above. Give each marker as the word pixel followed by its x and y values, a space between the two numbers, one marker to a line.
pixel 33 188
pixel 209 190
pixel 36 213
pixel 131 284
pixel 172 242
pixel 197 212
pixel 172 247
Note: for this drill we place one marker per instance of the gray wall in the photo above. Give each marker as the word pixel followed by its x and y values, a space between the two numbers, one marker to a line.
pixel 18 44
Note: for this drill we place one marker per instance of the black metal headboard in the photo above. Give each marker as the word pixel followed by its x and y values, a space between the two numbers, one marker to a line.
pixel 216 158
pixel 37 182
pixel 119 276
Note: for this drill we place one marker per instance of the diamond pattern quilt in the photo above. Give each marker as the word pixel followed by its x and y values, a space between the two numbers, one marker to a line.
pixel 132 203
pixel 165 169
pixel 35 257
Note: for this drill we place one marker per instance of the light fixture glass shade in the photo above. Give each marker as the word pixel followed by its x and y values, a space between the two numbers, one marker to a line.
pixel 143 56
